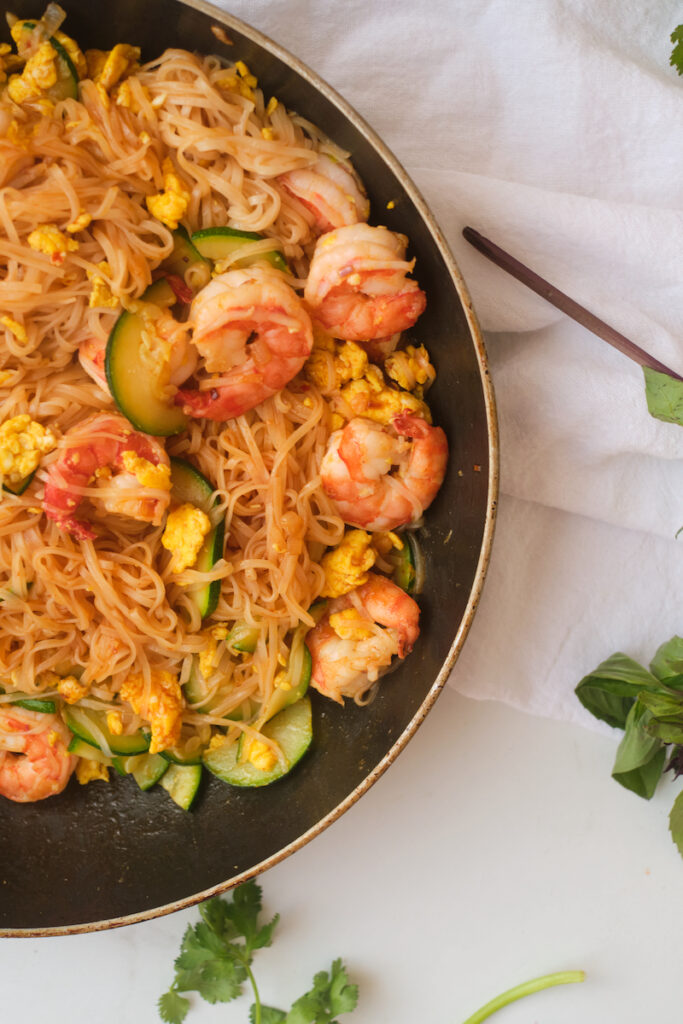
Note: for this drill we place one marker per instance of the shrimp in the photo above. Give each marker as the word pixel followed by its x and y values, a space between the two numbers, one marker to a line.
pixel 34 760
pixel 331 190
pixel 348 646
pixel 254 335
pixel 357 287
pixel 131 469
pixel 382 477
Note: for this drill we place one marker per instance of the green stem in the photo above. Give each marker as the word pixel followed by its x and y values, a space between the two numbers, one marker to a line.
pixel 525 989
pixel 257 998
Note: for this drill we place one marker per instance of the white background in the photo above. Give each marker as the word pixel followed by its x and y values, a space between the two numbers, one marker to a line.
pixel 497 848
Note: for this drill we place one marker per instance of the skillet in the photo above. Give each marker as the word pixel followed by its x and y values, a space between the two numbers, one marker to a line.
pixel 100 856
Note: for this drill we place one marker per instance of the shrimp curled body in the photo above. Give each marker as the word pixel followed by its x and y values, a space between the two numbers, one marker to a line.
pixel 330 190
pixel 95 452
pixel 34 760
pixel 254 335
pixel 382 477
pixel 376 621
pixel 357 287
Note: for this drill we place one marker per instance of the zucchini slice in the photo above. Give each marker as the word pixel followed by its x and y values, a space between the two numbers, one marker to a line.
pixel 66 86
pixel 82 749
pixel 189 485
pixel 19 487
pixel 221 243
pixel 292 730
pixel 47 707
pixel 299 672
pixel 146 769
pixel 181 782
pixel 90 725
pixel 128 378
pixel 184 256
pixel 403 562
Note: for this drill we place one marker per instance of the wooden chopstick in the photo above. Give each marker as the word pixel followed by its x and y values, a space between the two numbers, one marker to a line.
pixel 563 302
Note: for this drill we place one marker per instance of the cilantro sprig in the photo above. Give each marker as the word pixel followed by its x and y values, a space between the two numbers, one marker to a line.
pixel 215 961
pixel 648 705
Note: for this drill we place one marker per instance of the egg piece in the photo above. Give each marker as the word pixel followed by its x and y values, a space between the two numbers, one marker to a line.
pixel 262 756
pixel 161 705
pixel 347 565
pixel 372 398
pixel 23 442
pixel 108 67
pixel 15 328
pixel 186 528
pixel 49 240
pixel 349 624
pixel 147 473
pixel 411 368
pixel 38 76
pixel 101 294
pixel 72 689
pixel 170 205
pixel 88 770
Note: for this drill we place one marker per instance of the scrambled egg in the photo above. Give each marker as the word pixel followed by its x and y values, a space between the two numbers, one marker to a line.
pixel 72 689
pixel 186 528
pixel 124 95
pixel 170 205
pixel 370 397
pixel 350 625
pixel 5 50
pixel 54 243
pixel 17 329
pixel 114 723
pixel 332 363
pixel 101 293
pixel 74 52
pixel 147 473
pixel 81 222
pixel 262 756
pixel 411 369
pixel 38 76
pixel 108 67
pixel 207 657
pixel 243 82
pixel 91 771
pixel 22 443
pixel 347 565
pixel 163 708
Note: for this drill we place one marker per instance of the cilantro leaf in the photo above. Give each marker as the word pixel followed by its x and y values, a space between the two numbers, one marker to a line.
pixel 331 994
pixel 173 1007
pixel 269 1015
pixel 676 59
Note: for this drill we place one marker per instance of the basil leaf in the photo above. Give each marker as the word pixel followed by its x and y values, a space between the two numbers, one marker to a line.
pixel 609 691
pixel 664 396
pixel 676 822
pixel 667 663
pixel 640 757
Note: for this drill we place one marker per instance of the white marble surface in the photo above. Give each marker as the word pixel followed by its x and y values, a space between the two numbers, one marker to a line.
pixel 497 848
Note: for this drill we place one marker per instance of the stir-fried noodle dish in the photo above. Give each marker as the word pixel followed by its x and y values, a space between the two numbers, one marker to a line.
pixel 214 440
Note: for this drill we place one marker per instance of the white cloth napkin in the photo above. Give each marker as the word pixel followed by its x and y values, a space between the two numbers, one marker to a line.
pixel 555 127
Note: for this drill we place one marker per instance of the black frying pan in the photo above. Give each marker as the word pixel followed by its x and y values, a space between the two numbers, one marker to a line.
pixel 98 856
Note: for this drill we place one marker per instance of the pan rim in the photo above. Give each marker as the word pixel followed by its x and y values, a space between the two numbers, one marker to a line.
pixel 228 21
